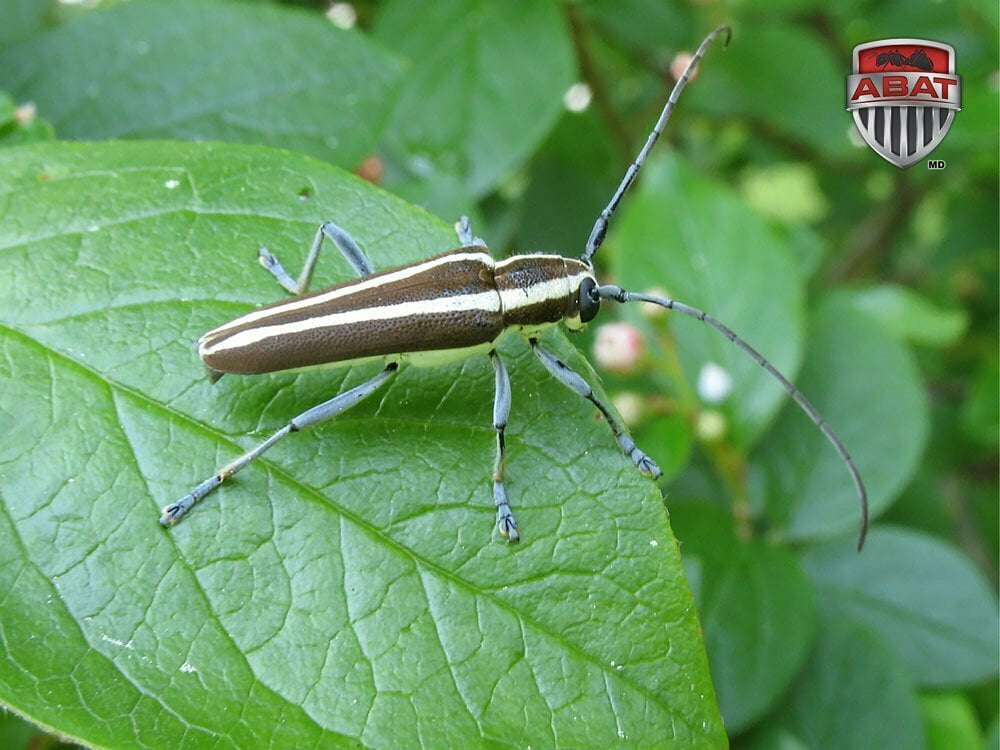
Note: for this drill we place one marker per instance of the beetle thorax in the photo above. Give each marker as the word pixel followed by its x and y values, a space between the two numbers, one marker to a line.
pixel 539 290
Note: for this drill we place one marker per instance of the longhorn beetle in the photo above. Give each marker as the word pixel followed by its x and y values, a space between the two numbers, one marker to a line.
pixel 449 306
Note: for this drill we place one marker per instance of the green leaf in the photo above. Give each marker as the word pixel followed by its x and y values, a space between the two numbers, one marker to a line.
pixel 981 409
pixel 669 437
pixel 484 86
pixel 21 18
pixel 787 192
pixel 347 588
pixel 911 317
pixel 203 70
pixel 927 600
pixel 15 733
pixel 853 694
pixel 866 385
pixel 644 25
pixel 949 722
pixel 786 78
pixel 759 619
pixel 757 610
pixel 578 152
pixel 696 239
pixel 774 738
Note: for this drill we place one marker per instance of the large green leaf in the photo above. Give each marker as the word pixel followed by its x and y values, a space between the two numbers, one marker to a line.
pixel 929 602
pixel 489 76
pixel 348 586
pixel 203 70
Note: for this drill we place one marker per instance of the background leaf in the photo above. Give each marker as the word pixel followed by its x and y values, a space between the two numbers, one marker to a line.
pixel 930 605
pixel 22 18
pixel 347 588
pixel 832 687
pixel 249 72
pixel 853 369
pixel 486 76
pixel 710 251
pixel 788 79
pixel 758 629
pixel 950 722
pixel 757 611
pixel 910 317
pixel 14 732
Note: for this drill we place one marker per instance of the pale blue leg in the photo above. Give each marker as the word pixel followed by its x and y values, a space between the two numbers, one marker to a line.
pixel 465 237
pixel 501 409
pixel 172 513
pixel 575 383
pixel 350 249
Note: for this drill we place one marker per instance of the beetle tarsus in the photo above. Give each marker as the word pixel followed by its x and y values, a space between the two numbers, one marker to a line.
pixel 172 513
pixel 646 465
pixel 508 526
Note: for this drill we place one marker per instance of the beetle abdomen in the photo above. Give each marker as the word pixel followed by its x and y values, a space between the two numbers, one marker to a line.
pixel 449 301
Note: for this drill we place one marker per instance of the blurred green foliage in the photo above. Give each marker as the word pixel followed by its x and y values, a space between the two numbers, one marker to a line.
pixel 873 288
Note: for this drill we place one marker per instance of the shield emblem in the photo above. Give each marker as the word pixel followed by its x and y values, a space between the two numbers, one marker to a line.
pixel 903 94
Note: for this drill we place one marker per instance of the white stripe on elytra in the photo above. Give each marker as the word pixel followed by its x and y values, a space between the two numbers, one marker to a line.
pixel 559 288
pixel 485 301
pixel 359 286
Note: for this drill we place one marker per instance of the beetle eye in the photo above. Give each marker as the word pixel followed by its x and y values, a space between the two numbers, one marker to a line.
pixel 589 303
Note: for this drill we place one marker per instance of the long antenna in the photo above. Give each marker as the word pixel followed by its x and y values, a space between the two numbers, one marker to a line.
pixel 601 225
pixel 618 294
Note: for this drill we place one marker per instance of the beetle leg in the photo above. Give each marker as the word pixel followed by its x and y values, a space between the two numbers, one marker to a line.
pixel 174 512
pixel 465 237
pixel 501 409
pixel 575 383
pixel 348 247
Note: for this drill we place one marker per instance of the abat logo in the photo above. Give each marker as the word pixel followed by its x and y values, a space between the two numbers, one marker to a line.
pixel 904 94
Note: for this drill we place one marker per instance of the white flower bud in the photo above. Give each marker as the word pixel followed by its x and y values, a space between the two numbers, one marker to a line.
pixel 342 15
pixel 714 383
pixel 577 97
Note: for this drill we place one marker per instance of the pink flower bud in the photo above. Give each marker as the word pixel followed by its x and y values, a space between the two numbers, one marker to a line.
pixel 679 64
pixel 618 347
